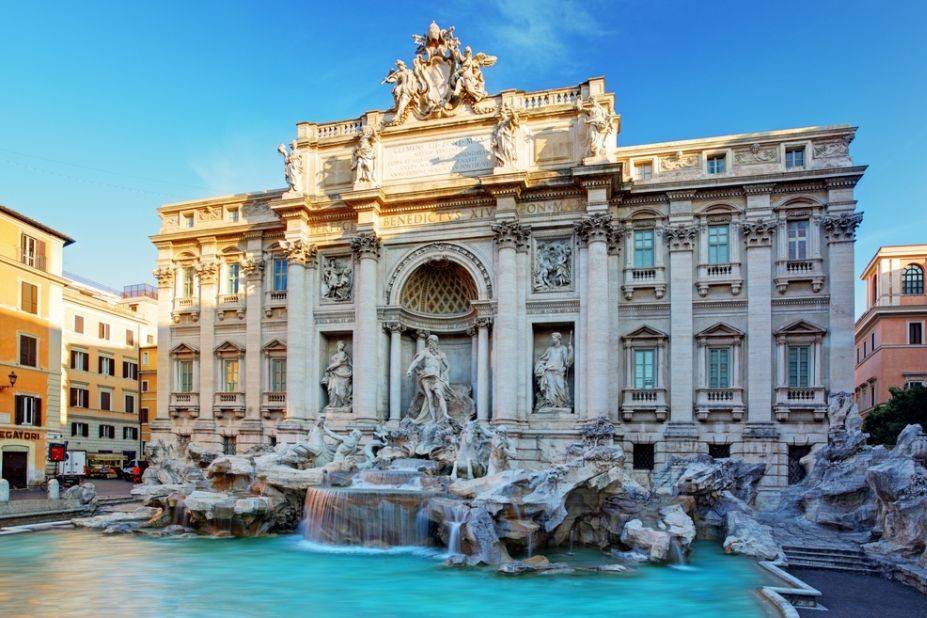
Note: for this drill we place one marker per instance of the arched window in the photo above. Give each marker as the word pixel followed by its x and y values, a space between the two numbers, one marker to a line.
pixel 912 280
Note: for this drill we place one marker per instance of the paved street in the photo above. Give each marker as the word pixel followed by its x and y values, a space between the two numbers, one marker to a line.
pixel 850 595
pixel 106 488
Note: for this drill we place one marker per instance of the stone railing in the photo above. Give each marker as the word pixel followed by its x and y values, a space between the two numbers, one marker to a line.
pixel 272 402
pixel 228 402
pixel 719 274
pixel 649 277
pixel 184 402
pixel 231 299
pixel 788 271
pixel 345 128
pixel 791 399
pixel 644 400
pixel 709 401
pixel 545 98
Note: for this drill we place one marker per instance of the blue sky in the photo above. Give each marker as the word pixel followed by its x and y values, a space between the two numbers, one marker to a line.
pixel 110 109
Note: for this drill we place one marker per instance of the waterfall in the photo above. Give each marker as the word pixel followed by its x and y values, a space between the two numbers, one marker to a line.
pixel 364 517
pixel 455 516
pixel 676 555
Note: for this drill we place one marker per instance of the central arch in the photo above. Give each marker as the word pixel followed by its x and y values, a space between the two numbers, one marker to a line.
pixel 439 287
pixel 439 252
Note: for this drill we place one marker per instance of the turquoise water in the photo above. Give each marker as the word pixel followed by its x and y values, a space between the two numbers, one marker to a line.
pixel 84 573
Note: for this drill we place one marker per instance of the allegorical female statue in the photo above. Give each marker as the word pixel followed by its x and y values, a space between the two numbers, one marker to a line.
pixel 337 380
pixel 292 166
pixel 431 375
pixel 551 373
pixel 365 155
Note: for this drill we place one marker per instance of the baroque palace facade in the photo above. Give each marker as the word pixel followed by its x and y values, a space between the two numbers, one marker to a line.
pixel 698 294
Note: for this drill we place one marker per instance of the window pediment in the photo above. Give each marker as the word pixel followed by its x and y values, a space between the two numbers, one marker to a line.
pixel 645 335
pixel 720 331
pixel 229 349
pixel 182 351
pixel 800 327
pixel 275 347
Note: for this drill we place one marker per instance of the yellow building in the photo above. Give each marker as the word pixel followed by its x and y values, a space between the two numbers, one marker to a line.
pixel 31 309
pixel 148 382
pixel 104 332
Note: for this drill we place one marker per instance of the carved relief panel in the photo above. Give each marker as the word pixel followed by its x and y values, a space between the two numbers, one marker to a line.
pixel 553 266
pixel 336 279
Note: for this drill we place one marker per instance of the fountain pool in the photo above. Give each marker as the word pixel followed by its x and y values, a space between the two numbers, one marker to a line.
pixel 82 573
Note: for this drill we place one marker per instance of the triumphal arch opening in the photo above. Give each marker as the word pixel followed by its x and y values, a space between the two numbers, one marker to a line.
pixel 496 255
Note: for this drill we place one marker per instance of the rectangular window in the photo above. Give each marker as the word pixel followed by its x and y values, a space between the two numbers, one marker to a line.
pixel 233 215
pixel 643 457
pixel 719 451
pixel 188 283
pixel 719 367
pixel 130 433
pixel 107 431
pixel 915 333
pixel 80 360
pixel 28 351
pixel 145 358
pixel 185 376
pixel 799 366
pixel 644 368
pixel 79 324
pixel 130 370
pixel 28 410
pixel 130 337
pixel 798 239
pixel 32 252
pixel 719 244
pixel 130 404
pixel 106 366
pixel 30 298
pixel 80 397
pixel 80 430
pixel 232 280
pixel 144 386
pixel 188 220
pixel 794 157
pixel 143 415
pixel 716 163
pixel 280 266
pixel 643 249
pixel 106 400
pixel 103 331
pixel 278 375
pixel 643 170
pixel 230 375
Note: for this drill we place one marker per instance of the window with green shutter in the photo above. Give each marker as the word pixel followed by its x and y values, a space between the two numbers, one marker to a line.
pixel 799 366
pixel 719 368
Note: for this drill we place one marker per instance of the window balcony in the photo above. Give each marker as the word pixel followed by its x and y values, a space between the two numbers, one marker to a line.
pixel 791 400
pixel 186 306
pixel 714 403
pixel 274 299
pixel 650 277
pixel 728 274
pixel 273 403
pixel 636 401
pixel 793 271
pixel 229 403
pixel 230 303
pixel 184 404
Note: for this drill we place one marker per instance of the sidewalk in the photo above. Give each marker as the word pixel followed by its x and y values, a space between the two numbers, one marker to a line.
pixel 106 488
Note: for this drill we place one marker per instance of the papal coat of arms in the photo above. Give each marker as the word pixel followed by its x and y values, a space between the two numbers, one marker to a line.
pixel 442 76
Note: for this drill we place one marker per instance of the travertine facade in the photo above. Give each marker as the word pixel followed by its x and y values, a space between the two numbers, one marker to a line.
pixel 702 290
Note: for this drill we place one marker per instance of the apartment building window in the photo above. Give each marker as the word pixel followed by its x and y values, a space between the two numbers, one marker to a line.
pixel 79 324
pixel 130 433
pixel 797 231
pixel 233 279
pixel 719 367
pixel 188 282
pixel 145 358
pixel 719 451
pixel 188 220
pixel 643 170
pixel 643 456
pixel 107 431
pixel 106 366
pixel 80 430
pixel 149 339
pixel 716 163
pixel 185 376
pixel 912 280
pixel 280 266
pixel 794 157
pixel 106 400
pixel 719 244
pixel 644 368
pixel 80 397
pixel 915 333
pixel 28 351
pixel 230 375
pixel 80 360
pixel 130 337
pixel 865 349
pixel 130 404
pixel 643 249
pixel 28 410
pixel 130 370
pixel 278 375
pixel 32 252
pixel 103 331
pixel 29 301
pixel 143 415
pixel 144 386
pixel 799 357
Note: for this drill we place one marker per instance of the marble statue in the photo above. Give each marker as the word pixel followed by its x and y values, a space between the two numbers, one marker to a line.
pixel 551 373
pixel 468 78
pixel 365 155
pixel 292 166
pixel 472 437
pixel 342 455
pixel 337 280
pixel 430 369
pixel 504 138
pixel 598 127
pixel 552 268
pixel 337 380
pixel 500 451
pixel 405 90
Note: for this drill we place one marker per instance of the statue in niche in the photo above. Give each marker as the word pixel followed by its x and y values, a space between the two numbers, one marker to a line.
pixel 292 166
pixel 551 373
pixel 504 137
pixel 598 127
pixel 365 155
pixel 430 369
pixel 552 270
pixel 337 280
pixel 338 377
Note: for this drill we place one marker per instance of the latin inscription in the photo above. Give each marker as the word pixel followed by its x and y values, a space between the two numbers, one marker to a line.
pixel 444 216
pixel 448 157
pixel 553 207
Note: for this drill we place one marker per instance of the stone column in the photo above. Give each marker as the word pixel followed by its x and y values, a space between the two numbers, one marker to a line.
pixel 253 268
pixel 840 233
pixel 421 337
pixel 758 238
pixel 523 280
pixel 299 255
pixel 482 368
pixel 614 297
pixel 681 240
pixel 366 249
pixel 395 371
pixel 505 348
pixel 207 272
pixel 593 231
pixel 383 376
pixel 165 276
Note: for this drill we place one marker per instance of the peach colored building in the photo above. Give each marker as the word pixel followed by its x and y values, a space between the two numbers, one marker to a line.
pixel 891 336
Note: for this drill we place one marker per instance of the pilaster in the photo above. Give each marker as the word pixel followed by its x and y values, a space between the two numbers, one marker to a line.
pixel 366 249
pixel 164 274
pixel 505 381
pixel 207 271
pixel 840 235
pixel 758 239
pixel 681 240
pixel 299 256
pixel 253 268
pixel 593 231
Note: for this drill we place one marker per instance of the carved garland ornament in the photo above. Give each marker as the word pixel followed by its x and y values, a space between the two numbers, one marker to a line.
pixel 440 249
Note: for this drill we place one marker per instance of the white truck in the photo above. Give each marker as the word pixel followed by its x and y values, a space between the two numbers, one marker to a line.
pixel 73 469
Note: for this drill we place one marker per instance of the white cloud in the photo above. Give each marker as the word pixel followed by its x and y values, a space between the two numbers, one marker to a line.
pixel 238 165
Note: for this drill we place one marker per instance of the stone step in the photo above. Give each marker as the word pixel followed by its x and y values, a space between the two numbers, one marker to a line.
pixel 830 566
pixel 822 550
pixel 830 558
pixel 826 556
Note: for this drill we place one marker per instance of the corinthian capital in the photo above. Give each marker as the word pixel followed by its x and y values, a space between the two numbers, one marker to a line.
pixel 207 272
pixel 593 228
pixel 298 251
pixel 841 228
pixel 511 234
pixel 681 237
pixel 253 267
pixel 758 233
pixel 366 245
pixel 164 275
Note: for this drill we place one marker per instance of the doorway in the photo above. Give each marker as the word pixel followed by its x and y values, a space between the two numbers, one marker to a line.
pixel 15 467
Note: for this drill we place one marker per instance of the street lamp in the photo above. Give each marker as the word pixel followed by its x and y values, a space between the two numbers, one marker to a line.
pixel 12 379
